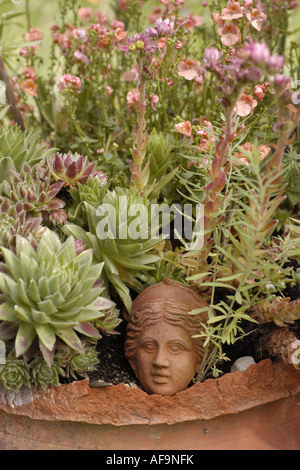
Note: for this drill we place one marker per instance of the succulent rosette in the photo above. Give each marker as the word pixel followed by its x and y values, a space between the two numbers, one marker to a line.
pixel 120 238
pixel 14 374
pixel 44 375
pixel 15 221
pixel 33 186
pixel 70 168
pixel 50 293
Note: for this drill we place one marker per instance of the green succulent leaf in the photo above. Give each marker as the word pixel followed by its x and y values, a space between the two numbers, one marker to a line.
pixel 50 293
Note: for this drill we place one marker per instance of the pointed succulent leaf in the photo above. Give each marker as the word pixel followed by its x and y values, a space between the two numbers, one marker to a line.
pixel 8 330
pixel 25 336
pixel 69 337
pixel 88 330
pixel 46 334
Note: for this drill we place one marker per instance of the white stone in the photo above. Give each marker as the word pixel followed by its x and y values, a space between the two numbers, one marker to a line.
pixel 242 363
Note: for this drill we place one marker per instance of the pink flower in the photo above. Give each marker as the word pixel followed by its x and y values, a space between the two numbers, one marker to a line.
pixel 191 21
pixel 29 72
pixel 259 92
pixel 207 138
pixel 154 100
pixel 29 87
pixel 120 34
pixel 185 128
pixel 81 57
pixel 34 34
pixel 188 69
pixel 116 24
pixel 84 13
pixel 230 34
pixel 263 152
pixel 109 89
pixel 70 82
pixel 256 18
pixel 232 11
pixel 133 96
pixel 217 19
pixel 28 51
pixel 131 75
pixel 162 43
pixel 245 105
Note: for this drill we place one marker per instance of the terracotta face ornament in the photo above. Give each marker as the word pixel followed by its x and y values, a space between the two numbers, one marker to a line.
pixel 159 343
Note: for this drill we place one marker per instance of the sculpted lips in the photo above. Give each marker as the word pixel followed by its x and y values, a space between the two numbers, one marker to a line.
pixel 160 378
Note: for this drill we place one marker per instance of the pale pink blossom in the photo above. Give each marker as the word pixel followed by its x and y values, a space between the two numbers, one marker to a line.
pixel 191 21
pixel 245 105
pixel 259 92
pixel 256 18
pixel 263 152
pixel 28 51
pixel 81 57
pixel 178 45
pixel 70 82
pixel 232 11
pixel 29 87
pixel 185 128
pixel 230 34
pixel 120 34
pixel 205 132
pixel 162 43
pixel 29 72
pixel 131 75
pixel 109 90
pixel 116 24
pixel 188 68
pixel 34 34
pixel 133 96
pixel 154 100
pixel 84 13
pixel 79 33
pixel 217 19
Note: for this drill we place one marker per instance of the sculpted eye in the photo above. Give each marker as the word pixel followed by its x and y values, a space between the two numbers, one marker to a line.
pixel 176 347
pixel 149 346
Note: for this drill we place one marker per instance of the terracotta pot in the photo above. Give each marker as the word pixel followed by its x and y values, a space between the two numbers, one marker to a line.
pixel 255 409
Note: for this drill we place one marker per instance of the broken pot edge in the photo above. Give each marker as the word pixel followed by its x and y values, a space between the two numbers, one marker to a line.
pixel 121 405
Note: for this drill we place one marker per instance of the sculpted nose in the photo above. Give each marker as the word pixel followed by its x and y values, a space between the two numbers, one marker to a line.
pixel 161 358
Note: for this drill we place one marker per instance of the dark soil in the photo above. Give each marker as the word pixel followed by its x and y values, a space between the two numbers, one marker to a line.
pixel 113 367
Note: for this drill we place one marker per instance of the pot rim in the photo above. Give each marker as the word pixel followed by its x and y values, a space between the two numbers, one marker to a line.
pixel 120 404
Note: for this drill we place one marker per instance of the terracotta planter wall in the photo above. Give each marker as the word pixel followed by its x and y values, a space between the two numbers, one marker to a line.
pixel 255 409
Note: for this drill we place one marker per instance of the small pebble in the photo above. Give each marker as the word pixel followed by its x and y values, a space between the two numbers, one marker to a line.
pixel 242 363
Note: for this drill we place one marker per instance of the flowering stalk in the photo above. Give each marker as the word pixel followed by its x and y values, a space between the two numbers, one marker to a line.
pixel 11 97
pixel 140 175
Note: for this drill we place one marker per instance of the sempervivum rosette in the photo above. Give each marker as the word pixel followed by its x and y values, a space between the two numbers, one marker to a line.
pixel 15 221
pixel 70 168
pixel 49 293
pixel 34 188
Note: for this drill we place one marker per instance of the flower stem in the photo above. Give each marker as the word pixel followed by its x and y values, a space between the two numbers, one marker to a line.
pixel 11 96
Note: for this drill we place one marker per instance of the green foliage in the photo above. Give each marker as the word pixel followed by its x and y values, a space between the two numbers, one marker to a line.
pixel 50 293
pixel 126 260
pixel 18 148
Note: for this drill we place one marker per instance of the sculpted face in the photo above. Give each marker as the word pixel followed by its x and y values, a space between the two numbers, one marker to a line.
pixel 165 359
